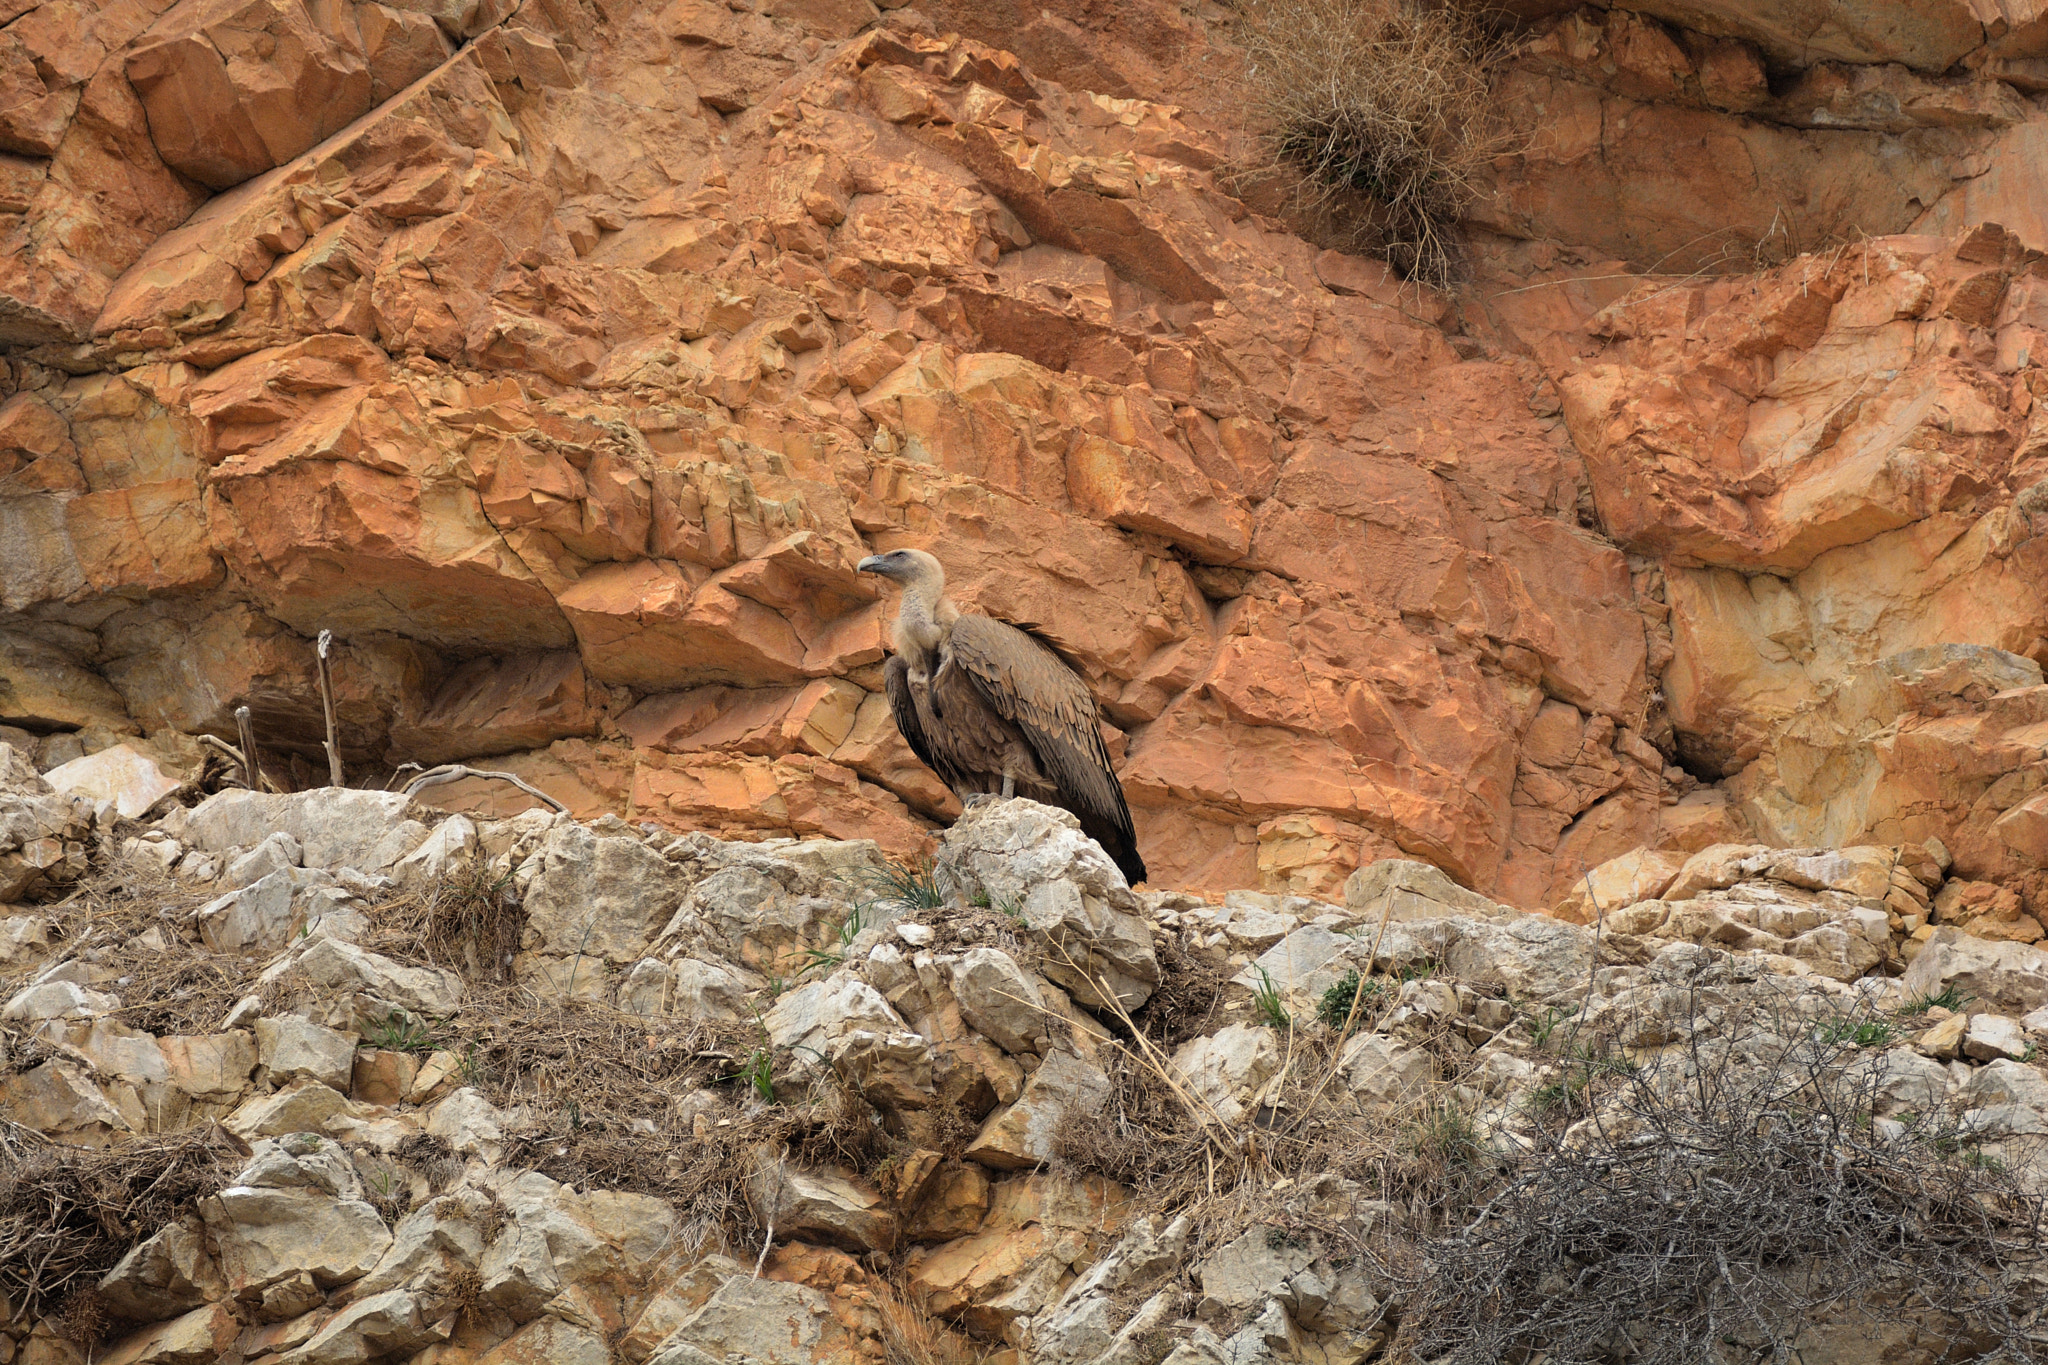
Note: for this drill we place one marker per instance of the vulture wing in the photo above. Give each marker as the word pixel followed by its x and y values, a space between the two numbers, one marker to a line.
pixel 903 706
pixel 1028 685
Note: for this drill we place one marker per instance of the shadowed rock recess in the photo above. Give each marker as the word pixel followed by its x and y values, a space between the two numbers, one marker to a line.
pixel 1623 668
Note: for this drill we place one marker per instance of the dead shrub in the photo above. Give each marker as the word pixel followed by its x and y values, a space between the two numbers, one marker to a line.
pixel 468 920
pixel 1732 1192
pixel 67 1214
pixel 1378 117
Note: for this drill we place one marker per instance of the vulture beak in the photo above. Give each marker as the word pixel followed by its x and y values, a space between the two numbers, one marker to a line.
pixel 872 564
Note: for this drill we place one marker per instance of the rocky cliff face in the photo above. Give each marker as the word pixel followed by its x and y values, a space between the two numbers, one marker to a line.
pixel 562 359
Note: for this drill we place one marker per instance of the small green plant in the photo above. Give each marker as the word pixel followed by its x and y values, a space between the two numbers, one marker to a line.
pixel 979 900
pixel 758 1071
pixel 1449 1134
pixel 1336 1006
pixel 1285 1239
pixel 1272 1009
pixel 1861 1032
pixel 828 958
pixel 901 886
pixel 1541 1029
pixel 399 1032
pixel 1949 999
pixel 1012 910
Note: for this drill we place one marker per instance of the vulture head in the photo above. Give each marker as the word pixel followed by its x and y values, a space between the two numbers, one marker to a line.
pixel 911 568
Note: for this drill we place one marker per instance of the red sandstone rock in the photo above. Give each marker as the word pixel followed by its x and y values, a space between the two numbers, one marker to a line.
pixel 565 378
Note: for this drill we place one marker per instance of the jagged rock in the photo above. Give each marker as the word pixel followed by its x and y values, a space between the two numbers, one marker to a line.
pixel 276 852
pixel 302 1107
pixel 166 1274
pixel 1640 875
pixel 1945 1039
pixel 999 999
pixel 2010 977
pixel 42 842
pixel 1023 1135
pixel 668 1308
pixel 1226 1069
pixel 1408 890
pixel 294 1049
pixel 757 1320
pixel 1085 1324
pixel 762 906
pixel 373 1328
pixel 707 990
pixel 950 1203
pixel 549 1341
pixel 391 985
pixel 258 916
pixel 59 1099
pixel 430 1239
pixel 469 1123
pixel 382 1076
pixel 892 1071
pixel 821 1205
pixel 453 842
pixel 334 826
pixel 810 1017
pixel 1037 1229
pixel 1992 1036
pixel 1900 1079
pixel 604 897
pixel 2004 1097
pixel 518 1271
pixel 22 936
pixel 1383 1071
pixel 213 1066
pixel 1531 957
pixel 199 1337
pixel 295 1208
pixel 120 774
pixel 1071 897
pixel 57 1000
pixel 645 989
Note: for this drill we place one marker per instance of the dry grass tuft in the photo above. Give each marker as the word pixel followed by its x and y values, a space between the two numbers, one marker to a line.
pixel 67 1214
pixel 466 921
pixel 1379 117
pixel 655 1106
pixel 181 988
pixel 1189 999
pixel 912 1336
pixel 1734 1190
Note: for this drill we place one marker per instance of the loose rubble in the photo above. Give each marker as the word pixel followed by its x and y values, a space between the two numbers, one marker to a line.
pixel 898 1096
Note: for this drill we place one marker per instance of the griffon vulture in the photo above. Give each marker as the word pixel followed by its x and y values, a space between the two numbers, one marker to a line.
pixel 991 709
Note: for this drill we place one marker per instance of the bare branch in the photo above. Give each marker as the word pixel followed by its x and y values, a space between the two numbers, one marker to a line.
pixel 453 772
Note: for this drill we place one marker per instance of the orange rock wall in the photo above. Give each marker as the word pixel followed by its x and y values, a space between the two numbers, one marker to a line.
pixel 562 359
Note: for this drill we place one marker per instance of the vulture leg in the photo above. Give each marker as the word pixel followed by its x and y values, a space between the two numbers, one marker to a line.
pixel 1009 785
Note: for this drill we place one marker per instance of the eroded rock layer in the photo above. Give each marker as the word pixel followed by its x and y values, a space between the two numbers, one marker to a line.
pixel 562 359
